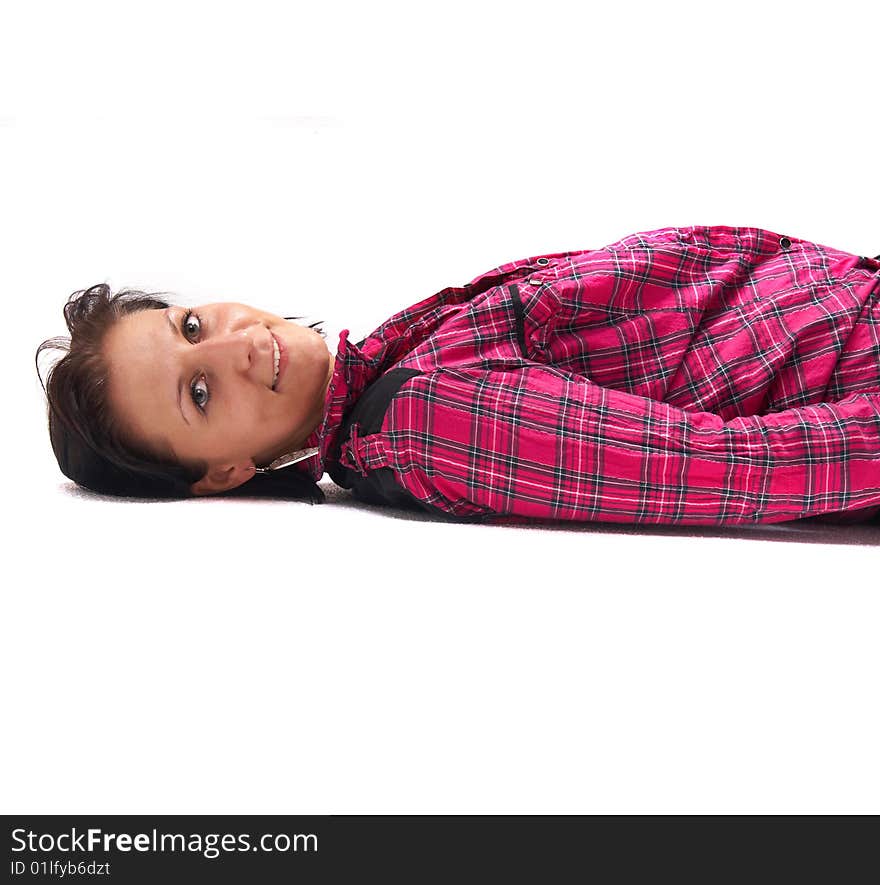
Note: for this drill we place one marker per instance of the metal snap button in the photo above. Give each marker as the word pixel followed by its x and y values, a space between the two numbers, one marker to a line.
pixel 543 261
pixel 785 242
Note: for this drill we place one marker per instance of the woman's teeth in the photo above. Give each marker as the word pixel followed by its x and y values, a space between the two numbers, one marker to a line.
pixel 277 361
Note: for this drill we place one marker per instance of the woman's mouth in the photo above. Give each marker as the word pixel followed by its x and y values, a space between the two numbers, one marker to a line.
pixel 279 362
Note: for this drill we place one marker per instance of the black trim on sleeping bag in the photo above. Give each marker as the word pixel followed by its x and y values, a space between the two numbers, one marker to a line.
pixel 519 313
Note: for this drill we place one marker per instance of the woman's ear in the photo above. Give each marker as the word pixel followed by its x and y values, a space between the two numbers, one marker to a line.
pixel 223 478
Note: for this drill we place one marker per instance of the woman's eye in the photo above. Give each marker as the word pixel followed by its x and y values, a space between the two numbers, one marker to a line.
pixel 192 325
pixel 199 392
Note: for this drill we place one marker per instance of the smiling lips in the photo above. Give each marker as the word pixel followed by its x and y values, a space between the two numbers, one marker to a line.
pixel 277 361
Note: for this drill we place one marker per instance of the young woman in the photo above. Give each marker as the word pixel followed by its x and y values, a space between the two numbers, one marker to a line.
pixel 692 375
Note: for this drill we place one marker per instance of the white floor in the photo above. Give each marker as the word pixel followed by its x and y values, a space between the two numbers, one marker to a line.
pixel 255 656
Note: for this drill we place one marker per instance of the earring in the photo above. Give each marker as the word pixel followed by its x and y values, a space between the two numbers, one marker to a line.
pixel 287 460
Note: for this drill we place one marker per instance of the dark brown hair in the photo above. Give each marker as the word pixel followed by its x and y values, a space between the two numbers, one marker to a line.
pixel 86 437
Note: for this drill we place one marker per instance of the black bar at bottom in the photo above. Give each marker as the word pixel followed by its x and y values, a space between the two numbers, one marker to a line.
pixel 411 848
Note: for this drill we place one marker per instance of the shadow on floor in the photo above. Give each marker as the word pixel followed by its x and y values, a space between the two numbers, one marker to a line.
pixel 805 531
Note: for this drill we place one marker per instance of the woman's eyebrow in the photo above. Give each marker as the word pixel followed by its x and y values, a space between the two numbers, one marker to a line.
pixel 175 332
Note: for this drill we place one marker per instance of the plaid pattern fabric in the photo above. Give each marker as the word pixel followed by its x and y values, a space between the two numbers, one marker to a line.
pixel 686 375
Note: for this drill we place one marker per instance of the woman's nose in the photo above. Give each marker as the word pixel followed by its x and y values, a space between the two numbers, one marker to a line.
pixel 234 348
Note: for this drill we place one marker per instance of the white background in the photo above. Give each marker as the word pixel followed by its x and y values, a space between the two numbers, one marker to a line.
pixel 341 161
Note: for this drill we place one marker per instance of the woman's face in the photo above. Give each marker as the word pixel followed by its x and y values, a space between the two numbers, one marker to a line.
pixel 199 384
